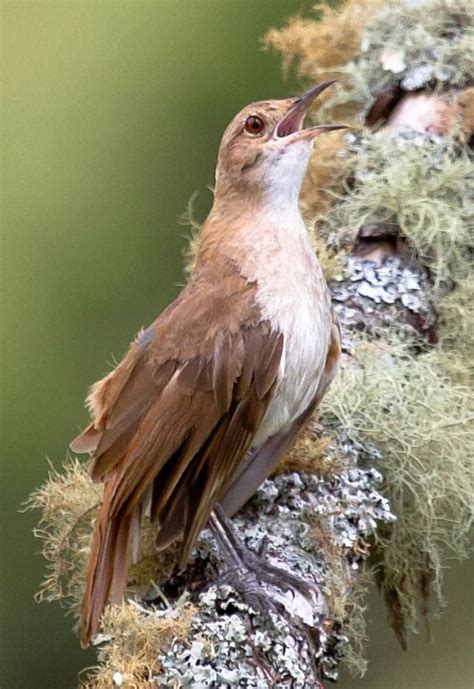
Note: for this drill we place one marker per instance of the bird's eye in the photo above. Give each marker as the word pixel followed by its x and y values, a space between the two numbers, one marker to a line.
pixel 254 125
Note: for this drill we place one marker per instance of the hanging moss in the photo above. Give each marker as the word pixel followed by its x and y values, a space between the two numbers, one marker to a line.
pixel 68 502
pixel 456 331
pixel 424 186
pixel 456 313
pixel 422 422
pixel 370 46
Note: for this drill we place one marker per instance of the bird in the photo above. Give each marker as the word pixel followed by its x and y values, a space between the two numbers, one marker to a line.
pixel 215 391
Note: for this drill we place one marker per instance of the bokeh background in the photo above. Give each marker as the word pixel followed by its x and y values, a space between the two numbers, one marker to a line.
pixel 112 114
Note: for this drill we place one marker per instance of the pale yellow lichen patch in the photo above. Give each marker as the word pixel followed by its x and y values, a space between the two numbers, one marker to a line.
pixel 135 637
pixel 68 503
pixel 320 46
pixel 313 453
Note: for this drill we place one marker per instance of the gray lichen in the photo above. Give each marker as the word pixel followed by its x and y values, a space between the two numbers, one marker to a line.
pixel 232 645
pixel 411 44
pixel 384 295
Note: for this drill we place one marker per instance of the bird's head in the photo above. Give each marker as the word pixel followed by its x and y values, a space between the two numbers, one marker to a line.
pixel 264 151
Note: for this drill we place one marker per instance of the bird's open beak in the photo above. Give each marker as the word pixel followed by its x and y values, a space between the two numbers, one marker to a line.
pixel 292 122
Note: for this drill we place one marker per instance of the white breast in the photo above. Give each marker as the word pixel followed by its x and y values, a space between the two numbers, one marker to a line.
pixel 293 296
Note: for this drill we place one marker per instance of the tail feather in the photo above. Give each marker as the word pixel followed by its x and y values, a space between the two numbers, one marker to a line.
pixel 107 571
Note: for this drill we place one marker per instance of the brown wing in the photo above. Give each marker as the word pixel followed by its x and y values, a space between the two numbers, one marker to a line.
pixel 261 462
pixel 176 418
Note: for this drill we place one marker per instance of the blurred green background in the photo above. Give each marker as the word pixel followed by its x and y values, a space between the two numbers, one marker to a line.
pixel 112 114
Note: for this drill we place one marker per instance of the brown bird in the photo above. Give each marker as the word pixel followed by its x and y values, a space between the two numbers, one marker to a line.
pixel 212 394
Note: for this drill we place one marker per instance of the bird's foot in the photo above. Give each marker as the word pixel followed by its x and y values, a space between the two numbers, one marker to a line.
pixel 262 585
pixel 249 588
pixel 266 588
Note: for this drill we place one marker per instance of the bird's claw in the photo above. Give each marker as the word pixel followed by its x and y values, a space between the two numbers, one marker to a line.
pixel 258 581
pixel 254 574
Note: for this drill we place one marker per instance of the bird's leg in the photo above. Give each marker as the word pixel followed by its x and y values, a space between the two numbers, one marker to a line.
pixel 239 575
pixel 226 538
pixel 263 586
pixel 250 570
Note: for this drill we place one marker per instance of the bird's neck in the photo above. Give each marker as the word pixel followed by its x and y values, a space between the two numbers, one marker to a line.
pixel 273 194
pixel 255 232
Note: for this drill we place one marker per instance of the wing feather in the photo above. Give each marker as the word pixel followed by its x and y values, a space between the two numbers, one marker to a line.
pixel 176 418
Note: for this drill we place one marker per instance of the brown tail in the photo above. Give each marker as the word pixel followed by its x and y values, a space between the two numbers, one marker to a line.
pixel 107 572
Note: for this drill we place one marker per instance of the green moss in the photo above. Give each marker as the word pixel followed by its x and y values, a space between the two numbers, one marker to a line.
pixel 425 188
pixel 423 424
pixel 456 330
pixel 435 36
